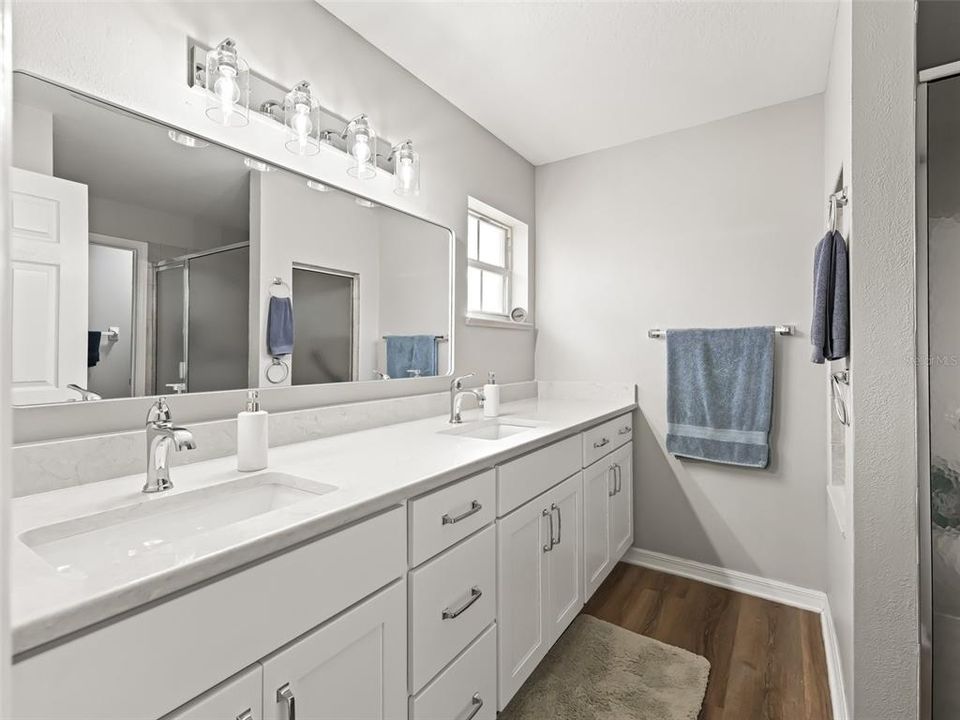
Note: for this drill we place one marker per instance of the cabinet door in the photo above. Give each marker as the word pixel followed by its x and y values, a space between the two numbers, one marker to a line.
pixel 522 537
pixel 598 486
pixel 352 668
pixel 564 568
pixel 239 698
pixel 621 504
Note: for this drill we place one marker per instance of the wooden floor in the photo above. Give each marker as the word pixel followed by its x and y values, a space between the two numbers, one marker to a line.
pixel 766 660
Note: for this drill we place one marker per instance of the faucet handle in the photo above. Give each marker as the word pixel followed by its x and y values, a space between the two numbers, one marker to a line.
pixel 457 383
pixel 159 411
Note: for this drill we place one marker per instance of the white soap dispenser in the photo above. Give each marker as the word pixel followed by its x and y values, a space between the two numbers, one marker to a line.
pixel 491 397
pixel 252 437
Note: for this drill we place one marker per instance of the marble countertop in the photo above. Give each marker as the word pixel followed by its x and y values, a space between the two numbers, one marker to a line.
pixel 372 471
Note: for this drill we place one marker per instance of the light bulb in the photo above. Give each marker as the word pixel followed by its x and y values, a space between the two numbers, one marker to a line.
pixel 227 90
pixel 361 148
pixel 405 171
pixel 301 123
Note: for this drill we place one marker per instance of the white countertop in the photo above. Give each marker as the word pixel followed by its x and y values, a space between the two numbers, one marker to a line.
pixel 372 470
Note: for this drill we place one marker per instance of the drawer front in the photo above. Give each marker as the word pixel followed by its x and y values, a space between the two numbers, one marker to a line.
pixel 606 438
pixel 521 480
pixel 448 515
pixel 467 690
pixel 452 598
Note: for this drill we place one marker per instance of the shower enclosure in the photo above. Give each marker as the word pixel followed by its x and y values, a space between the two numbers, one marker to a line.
pixel 938 352
pixel 201 324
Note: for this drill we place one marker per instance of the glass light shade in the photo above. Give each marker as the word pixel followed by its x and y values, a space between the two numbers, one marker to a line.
pixel 301 115
pixel 406 170
pixel 362 149
pixel 227 80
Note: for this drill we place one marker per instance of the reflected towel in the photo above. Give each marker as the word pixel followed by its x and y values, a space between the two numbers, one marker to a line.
pixel 416 353
pixel 720 394
pixel 93 347
pixel 280 326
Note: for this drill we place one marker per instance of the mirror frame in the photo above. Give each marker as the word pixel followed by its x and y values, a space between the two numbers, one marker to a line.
pixel 35 423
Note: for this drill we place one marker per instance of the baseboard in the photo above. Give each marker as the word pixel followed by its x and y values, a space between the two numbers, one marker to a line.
pixel 774 590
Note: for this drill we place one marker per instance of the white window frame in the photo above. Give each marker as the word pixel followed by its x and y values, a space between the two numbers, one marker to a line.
pixel 506 272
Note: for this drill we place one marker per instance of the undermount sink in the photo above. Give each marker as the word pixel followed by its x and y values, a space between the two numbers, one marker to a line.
pixel 488 429
pixel 162 532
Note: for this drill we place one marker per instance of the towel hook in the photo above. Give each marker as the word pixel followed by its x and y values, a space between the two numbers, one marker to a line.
pixel 278 282
pixel 834 201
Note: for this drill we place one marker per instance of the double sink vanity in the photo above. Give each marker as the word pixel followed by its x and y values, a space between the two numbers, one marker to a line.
pixel 420 570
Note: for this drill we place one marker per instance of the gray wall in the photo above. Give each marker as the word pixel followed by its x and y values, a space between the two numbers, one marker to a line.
pixel 711 226
pixel 135 54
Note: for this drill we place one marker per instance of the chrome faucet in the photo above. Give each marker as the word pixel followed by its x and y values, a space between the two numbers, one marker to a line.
pixel 456 397
pixel 84 393
pixel 161 434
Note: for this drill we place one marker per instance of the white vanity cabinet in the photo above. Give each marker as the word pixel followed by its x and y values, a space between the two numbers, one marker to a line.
pixel 239 698
pixel 539 580
pixel 607 515
pixel 351 668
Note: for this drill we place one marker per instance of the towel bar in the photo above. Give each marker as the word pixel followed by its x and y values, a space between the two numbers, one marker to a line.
pixel 655 333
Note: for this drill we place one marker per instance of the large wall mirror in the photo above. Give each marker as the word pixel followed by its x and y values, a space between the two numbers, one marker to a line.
pixel 150 262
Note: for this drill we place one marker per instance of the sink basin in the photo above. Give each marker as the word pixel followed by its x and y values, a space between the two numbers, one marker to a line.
pixel 161 532
pixel 488 429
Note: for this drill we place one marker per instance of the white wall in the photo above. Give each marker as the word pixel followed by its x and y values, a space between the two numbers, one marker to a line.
pixel 134 54
pixel 883 287
pixel 711 226
pixel 33 129
pixel 837 151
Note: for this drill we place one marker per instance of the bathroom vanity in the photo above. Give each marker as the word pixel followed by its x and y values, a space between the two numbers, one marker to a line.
pixel 409 571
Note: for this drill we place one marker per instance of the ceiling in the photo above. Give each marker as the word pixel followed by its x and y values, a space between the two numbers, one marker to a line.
pixel 558 79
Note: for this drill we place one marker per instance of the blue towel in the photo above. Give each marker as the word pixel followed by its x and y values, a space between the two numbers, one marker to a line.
pixel 93 347
pixel 720 394
pixel 411 352
pixel 830 327
pixel 280 326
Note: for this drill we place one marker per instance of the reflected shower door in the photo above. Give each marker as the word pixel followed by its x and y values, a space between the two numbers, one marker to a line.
pixel 323 327
pixel 170 362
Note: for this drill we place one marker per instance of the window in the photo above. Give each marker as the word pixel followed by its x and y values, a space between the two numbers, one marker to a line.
pixel 489 254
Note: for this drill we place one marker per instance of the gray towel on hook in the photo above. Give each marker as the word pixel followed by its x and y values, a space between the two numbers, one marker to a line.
pixel 720 394
pixel 280 326
pixel 830 327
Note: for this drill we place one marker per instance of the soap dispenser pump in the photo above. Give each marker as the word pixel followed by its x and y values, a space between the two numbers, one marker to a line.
pixel 252 439
pixel 491 397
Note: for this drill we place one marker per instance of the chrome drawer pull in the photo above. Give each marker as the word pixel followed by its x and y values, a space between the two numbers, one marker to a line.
pixel 476 702
pixel 625 430
pixel 475 507
pixel 612 470
pixel 285 695
pixel 601 443
pixel 549 514
pixel 475 594
pixel 553 507
pixel 246 714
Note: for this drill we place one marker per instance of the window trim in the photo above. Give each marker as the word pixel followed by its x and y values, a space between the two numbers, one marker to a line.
pixel 505 272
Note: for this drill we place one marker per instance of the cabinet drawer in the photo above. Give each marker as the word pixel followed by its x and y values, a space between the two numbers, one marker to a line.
pixel 452 598
pixel 606 438
pixel 465 690
pixel 448 515
pixel 523 479
pixel 237 698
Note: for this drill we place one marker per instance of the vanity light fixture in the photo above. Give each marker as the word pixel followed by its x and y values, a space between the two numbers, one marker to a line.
pixel 319 187
pixel 186 140
pixel 362 148
pixel 363 202
pixel 257 165
pixel 406 169
pixel 227 80
pixel 301 115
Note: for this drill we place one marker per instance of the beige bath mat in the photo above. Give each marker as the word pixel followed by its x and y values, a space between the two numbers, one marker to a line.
pixel 598 671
